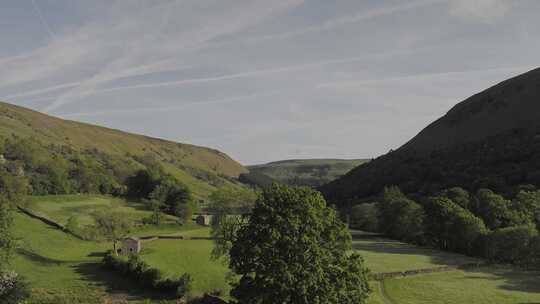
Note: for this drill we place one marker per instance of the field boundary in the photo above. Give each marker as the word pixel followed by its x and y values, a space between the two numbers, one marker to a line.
pixel 389 275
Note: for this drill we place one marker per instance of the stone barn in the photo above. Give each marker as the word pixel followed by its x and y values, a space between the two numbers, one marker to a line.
pixel 204 219
pixel 130 245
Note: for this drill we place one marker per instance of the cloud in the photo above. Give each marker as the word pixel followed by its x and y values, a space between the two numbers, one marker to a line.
pixel 480 10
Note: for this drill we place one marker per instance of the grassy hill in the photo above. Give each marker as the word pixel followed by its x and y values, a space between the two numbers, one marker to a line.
pixel 491 140
pixel 202 169
pixel 306 172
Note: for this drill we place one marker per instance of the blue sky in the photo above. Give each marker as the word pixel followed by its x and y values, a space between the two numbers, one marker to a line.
pixel 263 80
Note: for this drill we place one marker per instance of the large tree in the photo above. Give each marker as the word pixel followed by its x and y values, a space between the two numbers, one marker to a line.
pixel 294 249
pixel 113 226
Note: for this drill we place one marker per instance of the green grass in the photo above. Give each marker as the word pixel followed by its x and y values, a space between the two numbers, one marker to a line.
pixel 501 285
pixel 385 255
pixel 175 257
pixel 309 172
pixel 60 208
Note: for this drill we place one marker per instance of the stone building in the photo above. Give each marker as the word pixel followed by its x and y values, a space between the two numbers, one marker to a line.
pixel 204 219
pixel 130 245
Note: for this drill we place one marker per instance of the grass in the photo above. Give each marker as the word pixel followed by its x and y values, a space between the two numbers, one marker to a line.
pixel 60 208
pixel 61 267
pixel 175 257
pixel 189 163
pixel 312 172
pixel 385 255
pixel 501 285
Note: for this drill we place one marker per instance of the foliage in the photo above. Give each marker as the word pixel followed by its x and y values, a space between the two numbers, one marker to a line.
pixel 451 227
pixel 512 244
pixel 365 217
pixel 495 210
pixel 113 226
pixel 294 249
pixel 400 217
pixel 300 172
pixel 228 207
pixel 135 268
pixel 502 163
pixel 13 289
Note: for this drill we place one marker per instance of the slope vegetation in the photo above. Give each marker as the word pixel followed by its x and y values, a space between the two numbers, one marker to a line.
pixel 491 140
pixel 306 172
pixel 202 169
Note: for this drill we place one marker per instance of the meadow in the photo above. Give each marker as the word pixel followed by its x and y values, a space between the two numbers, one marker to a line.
pixel 65 269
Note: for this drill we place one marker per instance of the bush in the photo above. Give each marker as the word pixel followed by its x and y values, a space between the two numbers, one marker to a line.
pixel 138 270
pixel 512 244
pixel 13 289
pixel 365 217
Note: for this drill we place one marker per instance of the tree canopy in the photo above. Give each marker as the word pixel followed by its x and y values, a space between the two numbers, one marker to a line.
pixel 294 249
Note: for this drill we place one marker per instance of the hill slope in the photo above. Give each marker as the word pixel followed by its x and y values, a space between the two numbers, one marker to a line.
pixel 200 168
pixel 491 139
pixel 306 172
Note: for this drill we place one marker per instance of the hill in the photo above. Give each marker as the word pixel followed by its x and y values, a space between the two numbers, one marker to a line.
pixel 491 140
pixel 306 172
pixel 202 169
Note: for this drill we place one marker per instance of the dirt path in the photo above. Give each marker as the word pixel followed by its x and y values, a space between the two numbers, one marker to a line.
pixel 382 291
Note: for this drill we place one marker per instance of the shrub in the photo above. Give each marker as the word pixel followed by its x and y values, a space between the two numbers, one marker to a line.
pixel 138 270
pixel 13 289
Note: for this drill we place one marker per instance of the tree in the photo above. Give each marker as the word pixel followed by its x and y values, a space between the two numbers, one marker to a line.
pixel 400 217
pixel 365 217
pixel 458 195
pixel 294 249
pixel 512 244
pixel 449 226
pixel 228 206
pixel 496 211
pixel 113 226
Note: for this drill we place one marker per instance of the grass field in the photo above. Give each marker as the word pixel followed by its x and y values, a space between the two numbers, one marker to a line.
pixel 497 284
pixel 385 255
pixel 61 208
pixel 61 267
pixel 175 257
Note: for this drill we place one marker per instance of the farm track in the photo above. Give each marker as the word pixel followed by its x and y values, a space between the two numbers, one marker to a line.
pixel 385 297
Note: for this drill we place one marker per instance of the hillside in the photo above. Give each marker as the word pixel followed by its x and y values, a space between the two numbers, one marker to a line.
pixel 491 139
pixel 202 169
pixel 306 172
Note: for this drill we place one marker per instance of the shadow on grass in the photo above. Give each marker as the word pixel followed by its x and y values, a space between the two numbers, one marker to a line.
pixel 512 278
pixel 371 242
pixel 34 257
pixel 116 284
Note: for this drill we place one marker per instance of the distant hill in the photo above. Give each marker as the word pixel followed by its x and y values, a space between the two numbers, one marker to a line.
pixel 305 172
pixel 202 169
pixel 491 139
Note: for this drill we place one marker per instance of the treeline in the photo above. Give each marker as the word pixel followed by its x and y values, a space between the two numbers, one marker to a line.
pixel 484 224
pixel 501 163
pixel 58 169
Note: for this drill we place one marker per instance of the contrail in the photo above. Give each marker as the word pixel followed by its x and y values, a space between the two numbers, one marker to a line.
pixel 42 19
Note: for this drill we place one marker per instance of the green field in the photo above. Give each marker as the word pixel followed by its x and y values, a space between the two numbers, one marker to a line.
pixel 493 284
pixel 497 284
pixel 175 257
pixel 60 266
pixel 306 172
pixel 385 255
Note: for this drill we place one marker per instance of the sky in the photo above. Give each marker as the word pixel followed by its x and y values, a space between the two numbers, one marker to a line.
pixel 263 80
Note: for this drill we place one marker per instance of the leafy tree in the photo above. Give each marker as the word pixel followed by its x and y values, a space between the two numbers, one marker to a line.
pixel 228 206
pixel 113 226
pixel 449 226
pixel 294 249
pixel 528 204
pixel 496 211
pixel 512 244
pixel 365 217
pixel 458 195
pixel 400 217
